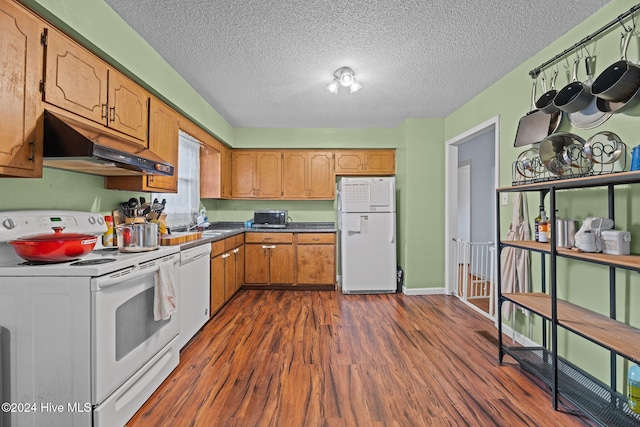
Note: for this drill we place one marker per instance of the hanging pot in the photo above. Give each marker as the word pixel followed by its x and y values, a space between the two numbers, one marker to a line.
pixel 545 102
pixel 56 247
pixel 620 81
pixel 575 96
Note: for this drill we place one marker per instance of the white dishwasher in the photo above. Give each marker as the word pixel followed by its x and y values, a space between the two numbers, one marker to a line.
pixel 194 291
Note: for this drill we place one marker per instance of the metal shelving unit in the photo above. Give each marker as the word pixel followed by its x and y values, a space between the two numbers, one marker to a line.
pixel 601 402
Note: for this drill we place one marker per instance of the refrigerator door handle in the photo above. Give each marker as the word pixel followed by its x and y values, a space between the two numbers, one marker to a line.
pixel 393 229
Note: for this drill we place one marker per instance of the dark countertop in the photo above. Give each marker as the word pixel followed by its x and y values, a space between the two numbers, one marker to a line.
pixel 228 229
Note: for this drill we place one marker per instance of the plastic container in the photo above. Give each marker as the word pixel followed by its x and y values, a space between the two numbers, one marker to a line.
pixel 635 158
pixel 633 388
pixel 615 242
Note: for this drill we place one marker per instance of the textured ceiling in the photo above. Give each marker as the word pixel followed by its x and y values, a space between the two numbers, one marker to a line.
pixel 266 63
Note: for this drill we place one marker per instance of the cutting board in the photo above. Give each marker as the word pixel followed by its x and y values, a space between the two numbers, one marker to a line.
pixel 171 240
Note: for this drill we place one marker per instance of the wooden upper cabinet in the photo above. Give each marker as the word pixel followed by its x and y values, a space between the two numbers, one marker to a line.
pixel 210 163
pixel 75 79
pixel 269 174
pixel 20 104
pixel 163 141
pixel 308 174
pixel 225 173
pixel 243 174
pixel 129 107
pixel 79 82
pixel 365 162
pixel 256 174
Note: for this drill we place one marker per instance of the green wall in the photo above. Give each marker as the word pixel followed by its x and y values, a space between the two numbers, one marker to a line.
pixel 578 282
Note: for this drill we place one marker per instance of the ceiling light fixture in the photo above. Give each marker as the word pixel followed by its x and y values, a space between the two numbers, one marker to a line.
pixel 346 78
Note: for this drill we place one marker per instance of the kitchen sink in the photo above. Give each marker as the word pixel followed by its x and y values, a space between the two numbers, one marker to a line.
pixel 212 233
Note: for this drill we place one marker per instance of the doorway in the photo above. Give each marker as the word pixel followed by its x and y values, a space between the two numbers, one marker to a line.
pixel 470 182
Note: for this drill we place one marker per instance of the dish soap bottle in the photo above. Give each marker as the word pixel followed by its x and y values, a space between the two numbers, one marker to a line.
pixel 107 237
pixel 633 388
pixel 543 228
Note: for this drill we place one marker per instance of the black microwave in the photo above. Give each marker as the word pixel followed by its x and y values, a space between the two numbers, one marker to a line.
pixel 268 218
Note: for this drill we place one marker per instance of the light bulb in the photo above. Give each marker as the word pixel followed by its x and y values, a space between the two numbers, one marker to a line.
pixel 333 87
pixel 346 78
pixel 355 86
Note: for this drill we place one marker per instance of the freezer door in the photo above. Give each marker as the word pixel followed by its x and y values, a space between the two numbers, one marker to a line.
pixel 367 195
pixel 368 252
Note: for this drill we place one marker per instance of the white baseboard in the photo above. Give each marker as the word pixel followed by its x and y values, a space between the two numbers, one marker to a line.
pixel 423 291
pixel 507 332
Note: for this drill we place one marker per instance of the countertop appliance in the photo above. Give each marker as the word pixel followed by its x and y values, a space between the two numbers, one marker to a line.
pixel 367 225
pixel 194 291
pixel 268 218
pixel 80 336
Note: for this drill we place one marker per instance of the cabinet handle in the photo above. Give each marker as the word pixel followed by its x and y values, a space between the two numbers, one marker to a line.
pixel 32 157
pixel 315 239
pixel 267 238
pixel 113 114
pixel 268 247
pixel 236 250
pixel 105 109
pixel 226 256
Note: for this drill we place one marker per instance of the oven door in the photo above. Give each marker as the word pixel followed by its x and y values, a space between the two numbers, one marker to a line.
pixel 125 336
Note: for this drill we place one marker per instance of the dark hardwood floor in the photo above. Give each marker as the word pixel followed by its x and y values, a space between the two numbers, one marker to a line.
pixel 313 358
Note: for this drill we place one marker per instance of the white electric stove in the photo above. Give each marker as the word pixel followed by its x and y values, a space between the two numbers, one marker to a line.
pixel 78 339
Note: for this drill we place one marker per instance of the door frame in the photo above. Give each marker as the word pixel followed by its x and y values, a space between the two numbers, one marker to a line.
pixel 451 185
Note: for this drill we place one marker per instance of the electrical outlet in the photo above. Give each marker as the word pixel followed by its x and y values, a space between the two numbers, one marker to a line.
pixel 505 199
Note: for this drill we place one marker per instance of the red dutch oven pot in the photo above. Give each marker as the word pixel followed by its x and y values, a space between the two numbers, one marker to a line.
pixel 56 247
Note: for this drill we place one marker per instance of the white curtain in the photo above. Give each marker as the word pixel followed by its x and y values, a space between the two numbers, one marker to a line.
pixel 182 205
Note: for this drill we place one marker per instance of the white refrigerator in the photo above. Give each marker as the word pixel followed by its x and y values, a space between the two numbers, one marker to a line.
pixel 367 225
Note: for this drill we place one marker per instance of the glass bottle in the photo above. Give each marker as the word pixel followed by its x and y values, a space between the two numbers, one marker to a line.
pixel 543 228
pixel 536 223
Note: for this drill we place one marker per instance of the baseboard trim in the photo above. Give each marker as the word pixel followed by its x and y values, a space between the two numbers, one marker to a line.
pixel 423 291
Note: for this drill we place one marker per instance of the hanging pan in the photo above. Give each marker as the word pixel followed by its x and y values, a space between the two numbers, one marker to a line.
pixel 545 102
pixel 575 96
pixel 536 125
pixel 590 116
pixel 621 80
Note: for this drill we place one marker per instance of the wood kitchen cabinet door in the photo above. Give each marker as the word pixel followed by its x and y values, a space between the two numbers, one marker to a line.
pixel 256 264
pixel 75 79
pixel 129 107
pixel 294 173
pixel 20 104
pixel 308 174
pixel 239 267
pixel 316 259
pixel 243 168
pixel 320 176
pixel 380 162
pixel 281 270
pixel 217 284
pixel 163 141
pixel 269 174
pixel 365 162
pixel 225 172
pixel 78 81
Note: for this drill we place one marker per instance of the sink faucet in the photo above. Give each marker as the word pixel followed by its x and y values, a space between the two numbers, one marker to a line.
pixel 200 226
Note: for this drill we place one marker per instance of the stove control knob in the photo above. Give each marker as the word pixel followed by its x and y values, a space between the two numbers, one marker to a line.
pixel 100 220
pixel 92 220
pixel 9 223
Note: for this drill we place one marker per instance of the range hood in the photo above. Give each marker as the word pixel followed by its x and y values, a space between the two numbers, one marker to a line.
pixel 76 146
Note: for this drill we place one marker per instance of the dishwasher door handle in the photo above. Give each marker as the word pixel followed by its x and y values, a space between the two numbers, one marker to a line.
pixel 195 258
